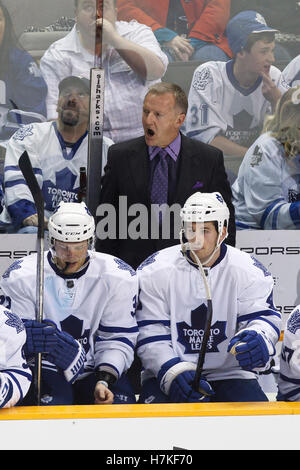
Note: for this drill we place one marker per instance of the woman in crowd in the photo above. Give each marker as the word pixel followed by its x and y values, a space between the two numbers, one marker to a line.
pixel 267 190
pixel 22 87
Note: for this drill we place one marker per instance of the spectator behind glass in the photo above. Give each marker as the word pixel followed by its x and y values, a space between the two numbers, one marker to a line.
pixel 267 190
pixel 229 101
pixel 22 87
pixel 131 58
pixel 192 30
pixel 272 10
pixel 291 73
pixel 57 150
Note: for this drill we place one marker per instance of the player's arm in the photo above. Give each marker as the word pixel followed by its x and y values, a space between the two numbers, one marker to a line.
pixel 258 322
pixel 116 336
pixel 15 375
pixel 141 60
pixel 18 198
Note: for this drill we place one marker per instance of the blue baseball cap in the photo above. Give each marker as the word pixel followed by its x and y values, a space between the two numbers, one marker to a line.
pixel 242 25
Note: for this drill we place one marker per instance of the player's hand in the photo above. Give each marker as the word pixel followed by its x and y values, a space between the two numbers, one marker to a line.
pixel 181 390
pixel 102 394
pixel 67 354
pixel 253 351
pixel 270 90
pixel 40 337
pixel 181 48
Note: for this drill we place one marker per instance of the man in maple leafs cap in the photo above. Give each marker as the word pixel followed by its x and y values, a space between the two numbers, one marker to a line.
pixel 242 25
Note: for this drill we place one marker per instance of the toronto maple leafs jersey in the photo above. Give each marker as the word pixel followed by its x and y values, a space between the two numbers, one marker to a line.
pixel 218 105
pixel 291 73
pixel 15 375
pixel 266 193
pixel 289 377
pixel 56 166
pixel 95 305
pixel 172 310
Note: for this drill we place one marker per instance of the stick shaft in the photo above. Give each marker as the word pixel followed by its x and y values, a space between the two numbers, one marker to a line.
pixel 30 178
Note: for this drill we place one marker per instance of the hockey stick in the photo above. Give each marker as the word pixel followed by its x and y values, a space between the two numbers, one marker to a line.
pixel 26 168
pixel 202 352
pixel 95 139
pixel 95 135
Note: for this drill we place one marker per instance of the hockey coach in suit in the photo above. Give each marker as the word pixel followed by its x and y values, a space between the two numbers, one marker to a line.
pixel 162 167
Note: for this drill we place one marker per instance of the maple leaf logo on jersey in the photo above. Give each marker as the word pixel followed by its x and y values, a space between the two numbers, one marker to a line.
pixel 122 265
pixel 259 265
pixel 14 321
pixel 191 336
pixel 62 189
pixel 13 267
pixel 23 132
pixel 202 79
pixel 147 261
pixel 293 323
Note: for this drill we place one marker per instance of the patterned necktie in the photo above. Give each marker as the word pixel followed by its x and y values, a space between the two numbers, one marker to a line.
pixel 159 190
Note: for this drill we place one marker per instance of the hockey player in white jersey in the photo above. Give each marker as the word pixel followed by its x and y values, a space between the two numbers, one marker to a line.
pixel 15 374
pixel 289 376
pixel 57 150
pixel 89 330
pixel 172 313
pixel 266 193
pixel 229 100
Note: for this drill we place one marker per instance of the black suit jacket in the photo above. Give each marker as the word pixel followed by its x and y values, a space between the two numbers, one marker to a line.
pixel 127 173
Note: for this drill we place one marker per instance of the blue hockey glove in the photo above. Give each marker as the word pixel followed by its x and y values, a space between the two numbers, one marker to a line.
pixel 40 337
pixel 181 390
pixel 67 354
pixel 255 350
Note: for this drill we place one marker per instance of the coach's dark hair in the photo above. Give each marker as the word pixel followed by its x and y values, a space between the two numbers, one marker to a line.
pixel 164 87
pixel 9 41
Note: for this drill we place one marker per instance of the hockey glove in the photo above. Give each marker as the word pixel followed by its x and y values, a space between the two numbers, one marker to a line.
pixel 181 390
pixel 254 351
pixel 40 337
pixel 67 354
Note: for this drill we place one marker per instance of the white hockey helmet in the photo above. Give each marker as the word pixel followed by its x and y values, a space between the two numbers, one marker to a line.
pixel 71 222
pixel 204 207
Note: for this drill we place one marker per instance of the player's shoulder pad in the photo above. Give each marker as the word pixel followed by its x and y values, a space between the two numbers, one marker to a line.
pixel 22 268
pixel 242 261
pixel 162 260
pixel 10 319
pixel 109 264
pixel 293 322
